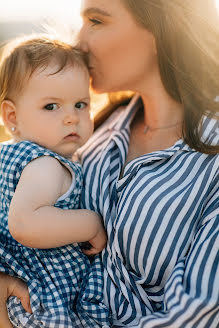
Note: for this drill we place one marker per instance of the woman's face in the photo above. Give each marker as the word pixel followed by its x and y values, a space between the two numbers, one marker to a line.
pixel 122 54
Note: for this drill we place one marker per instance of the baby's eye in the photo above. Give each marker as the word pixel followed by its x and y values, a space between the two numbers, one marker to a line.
pixel 51 106
pixel 81 105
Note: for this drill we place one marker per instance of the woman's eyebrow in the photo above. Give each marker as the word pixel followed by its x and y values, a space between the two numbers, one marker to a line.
pixel 93 10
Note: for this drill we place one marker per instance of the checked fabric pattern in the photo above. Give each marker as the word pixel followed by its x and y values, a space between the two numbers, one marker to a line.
pixel 66 288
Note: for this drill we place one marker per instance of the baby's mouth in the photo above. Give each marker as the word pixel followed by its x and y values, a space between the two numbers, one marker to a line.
pixel 72 136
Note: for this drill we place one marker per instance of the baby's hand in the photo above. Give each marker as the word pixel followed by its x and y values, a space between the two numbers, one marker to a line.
pixel 97 243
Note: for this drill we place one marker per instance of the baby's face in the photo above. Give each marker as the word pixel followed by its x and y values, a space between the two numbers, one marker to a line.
pixel 54 109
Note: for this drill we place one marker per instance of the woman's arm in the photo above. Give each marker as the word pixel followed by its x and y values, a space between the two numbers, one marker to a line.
pixel 35 222
pixel 11 286
pixel 191 296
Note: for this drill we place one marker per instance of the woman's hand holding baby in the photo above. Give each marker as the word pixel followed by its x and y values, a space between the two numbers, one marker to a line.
pixel 11 286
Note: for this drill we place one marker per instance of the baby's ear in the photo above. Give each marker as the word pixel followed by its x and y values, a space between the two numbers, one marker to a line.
pixel 8 112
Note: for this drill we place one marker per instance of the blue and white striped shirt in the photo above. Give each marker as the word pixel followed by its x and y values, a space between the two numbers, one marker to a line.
pixel 162 221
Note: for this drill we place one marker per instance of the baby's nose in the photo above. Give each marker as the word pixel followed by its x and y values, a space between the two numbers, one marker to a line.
pixel 71 118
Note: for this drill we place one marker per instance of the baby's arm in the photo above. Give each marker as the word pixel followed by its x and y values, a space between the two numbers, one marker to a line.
pixel 35 222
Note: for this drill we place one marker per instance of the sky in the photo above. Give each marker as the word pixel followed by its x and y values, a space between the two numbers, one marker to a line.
pixel 66 11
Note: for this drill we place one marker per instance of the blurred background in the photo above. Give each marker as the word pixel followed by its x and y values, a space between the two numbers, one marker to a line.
pixel 26 16
pixel 18 17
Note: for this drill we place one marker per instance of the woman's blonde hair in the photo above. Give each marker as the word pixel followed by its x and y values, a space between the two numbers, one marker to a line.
pixel 21 57
pixel 187 40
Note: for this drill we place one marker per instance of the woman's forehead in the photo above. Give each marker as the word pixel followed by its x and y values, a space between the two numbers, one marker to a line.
pixel 102 7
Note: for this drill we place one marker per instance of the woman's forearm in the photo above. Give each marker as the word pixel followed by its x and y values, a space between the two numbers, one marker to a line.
pixel 49 227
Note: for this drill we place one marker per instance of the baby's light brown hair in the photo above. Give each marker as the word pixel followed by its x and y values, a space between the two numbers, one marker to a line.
pixel 21 57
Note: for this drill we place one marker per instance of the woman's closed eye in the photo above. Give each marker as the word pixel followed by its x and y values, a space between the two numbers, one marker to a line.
pixel 52 106
pixel 94 21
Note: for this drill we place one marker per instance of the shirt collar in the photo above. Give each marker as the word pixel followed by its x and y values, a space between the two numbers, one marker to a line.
pixel 210 126
pixel 125 116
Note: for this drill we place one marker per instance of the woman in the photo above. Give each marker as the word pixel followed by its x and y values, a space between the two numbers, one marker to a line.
pixel 151 170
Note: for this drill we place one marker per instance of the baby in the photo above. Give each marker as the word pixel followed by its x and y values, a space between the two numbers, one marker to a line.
pixel 45 104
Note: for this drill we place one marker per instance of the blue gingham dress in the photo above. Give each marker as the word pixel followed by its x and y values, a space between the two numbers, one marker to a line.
pixel 66 289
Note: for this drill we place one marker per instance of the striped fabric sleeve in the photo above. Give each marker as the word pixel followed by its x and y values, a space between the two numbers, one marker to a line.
pixel 191 297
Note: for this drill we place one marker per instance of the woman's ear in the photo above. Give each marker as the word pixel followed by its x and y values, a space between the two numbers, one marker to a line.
pixel 8 111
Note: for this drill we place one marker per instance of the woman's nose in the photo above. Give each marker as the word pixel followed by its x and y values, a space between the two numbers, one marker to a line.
pixel 82 39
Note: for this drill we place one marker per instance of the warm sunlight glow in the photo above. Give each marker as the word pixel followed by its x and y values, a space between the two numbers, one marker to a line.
pixel 32 10
pixel 217 5
pixel 66 11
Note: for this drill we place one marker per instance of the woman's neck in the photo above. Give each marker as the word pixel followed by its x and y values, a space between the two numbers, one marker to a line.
pixel 163 118
pixel 161 111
